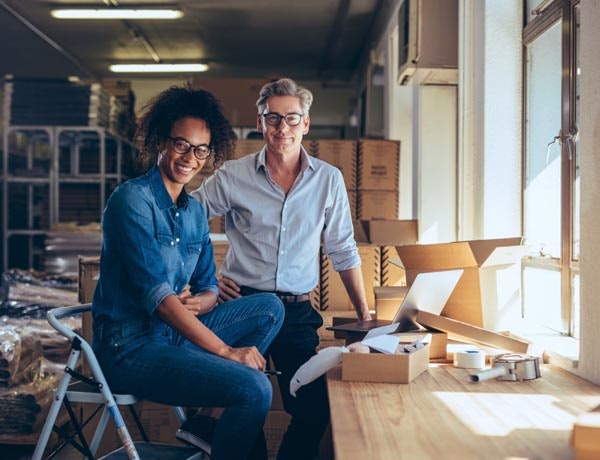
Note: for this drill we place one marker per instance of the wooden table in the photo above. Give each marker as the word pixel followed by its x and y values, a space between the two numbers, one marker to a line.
pixel 441 416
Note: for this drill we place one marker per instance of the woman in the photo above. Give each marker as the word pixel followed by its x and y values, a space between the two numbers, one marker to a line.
pixel 158 332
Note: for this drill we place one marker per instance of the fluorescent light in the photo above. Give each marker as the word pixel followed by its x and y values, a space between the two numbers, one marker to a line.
pixel 124 68
pixel 116 13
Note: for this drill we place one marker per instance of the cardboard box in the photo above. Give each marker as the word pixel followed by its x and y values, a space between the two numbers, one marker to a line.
pixel 352 203
pixel 476 294
pixel 333 294
pixel 392 273
pixel 160 423
pixel 379 367
pixel 438 347
pixel 220 247
pixel 387 300
pixel 586 433
pixel 386 231
pixel 341 154
pixel 274 428
pixel 378 164
pixel 89 272
pixel 245 147
pixel 377 204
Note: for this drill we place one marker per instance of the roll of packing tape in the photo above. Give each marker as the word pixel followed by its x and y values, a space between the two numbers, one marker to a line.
pixel 469 359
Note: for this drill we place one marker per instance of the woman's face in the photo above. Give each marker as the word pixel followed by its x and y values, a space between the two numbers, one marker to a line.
pixel 176 168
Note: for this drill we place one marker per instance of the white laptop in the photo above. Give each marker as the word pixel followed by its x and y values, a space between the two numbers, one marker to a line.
pixel 429 292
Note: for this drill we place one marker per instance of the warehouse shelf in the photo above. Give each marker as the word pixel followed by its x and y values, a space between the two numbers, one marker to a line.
pixel 53 174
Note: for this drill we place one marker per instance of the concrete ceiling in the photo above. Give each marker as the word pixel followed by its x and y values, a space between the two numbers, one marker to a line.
pixel 323 40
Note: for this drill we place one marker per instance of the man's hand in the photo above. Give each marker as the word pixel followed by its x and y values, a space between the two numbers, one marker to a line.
pixel 200 304
pixel 250 356
pixel 364 315
pixel 228 290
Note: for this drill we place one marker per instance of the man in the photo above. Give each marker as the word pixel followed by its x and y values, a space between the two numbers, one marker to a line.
pixel 280 204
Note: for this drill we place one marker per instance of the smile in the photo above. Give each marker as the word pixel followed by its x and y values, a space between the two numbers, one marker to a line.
pixel 185 169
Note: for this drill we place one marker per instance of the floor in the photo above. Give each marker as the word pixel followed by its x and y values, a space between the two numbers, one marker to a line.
pixel 11 452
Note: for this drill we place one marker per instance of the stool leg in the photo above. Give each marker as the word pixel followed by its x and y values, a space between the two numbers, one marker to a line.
pixel 55 407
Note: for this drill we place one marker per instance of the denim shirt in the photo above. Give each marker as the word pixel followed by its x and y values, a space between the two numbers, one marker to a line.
pixel 151 248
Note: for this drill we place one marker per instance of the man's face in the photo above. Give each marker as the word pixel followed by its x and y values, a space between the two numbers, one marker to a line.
pixel 283 138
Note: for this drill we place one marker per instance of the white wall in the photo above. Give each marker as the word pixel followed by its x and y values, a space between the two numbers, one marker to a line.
pixel 589 358
pixel 490 82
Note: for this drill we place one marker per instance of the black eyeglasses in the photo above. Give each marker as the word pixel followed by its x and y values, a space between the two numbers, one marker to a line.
pixel 182 147
pixel 273 118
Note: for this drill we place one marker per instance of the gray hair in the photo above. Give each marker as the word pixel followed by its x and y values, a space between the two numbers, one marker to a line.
pixel 284 87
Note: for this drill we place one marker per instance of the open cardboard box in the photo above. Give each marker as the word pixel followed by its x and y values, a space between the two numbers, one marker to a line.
pixel 385 232
pixel 384 368
pixel 486 289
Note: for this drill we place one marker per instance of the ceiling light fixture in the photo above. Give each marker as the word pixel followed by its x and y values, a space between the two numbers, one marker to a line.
pixel 136 68
pixel 116 13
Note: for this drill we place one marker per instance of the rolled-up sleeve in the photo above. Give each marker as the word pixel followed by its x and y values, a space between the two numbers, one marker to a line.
pixel 338 234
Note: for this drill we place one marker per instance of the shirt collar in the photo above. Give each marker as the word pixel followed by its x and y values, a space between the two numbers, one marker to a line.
pixel 160 193
pixel 305 161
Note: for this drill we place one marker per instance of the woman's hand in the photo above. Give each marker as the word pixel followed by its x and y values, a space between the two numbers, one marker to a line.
pixel 250 356
pixel 199 304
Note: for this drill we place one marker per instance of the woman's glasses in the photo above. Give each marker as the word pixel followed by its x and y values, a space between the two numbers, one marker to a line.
pixel 182 147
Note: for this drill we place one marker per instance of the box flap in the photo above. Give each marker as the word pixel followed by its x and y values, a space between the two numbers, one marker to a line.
pixel 360 233
pixel 440 256
pixel 458 254
pixel 483 248
pixel 506 255
pixel 390 292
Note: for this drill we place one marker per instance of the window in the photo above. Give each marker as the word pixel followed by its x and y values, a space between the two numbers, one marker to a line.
pixel 551 165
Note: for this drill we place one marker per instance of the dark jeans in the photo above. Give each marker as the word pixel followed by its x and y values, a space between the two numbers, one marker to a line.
pixel 295 344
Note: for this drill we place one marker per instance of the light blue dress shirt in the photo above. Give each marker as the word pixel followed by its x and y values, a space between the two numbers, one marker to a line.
pixel 275 239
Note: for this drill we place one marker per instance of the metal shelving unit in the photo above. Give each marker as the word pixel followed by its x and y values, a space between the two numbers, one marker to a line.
pixel 54 174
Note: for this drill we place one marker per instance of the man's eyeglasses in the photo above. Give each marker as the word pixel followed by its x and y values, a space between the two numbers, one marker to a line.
pixel 273 118
pixel 182 147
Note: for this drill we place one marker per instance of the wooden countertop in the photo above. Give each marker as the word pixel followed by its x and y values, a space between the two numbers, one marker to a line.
pixel 442 416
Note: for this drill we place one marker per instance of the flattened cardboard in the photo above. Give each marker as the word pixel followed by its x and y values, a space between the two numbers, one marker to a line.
pixel 378 367
pixel 469 299
pixel 472 334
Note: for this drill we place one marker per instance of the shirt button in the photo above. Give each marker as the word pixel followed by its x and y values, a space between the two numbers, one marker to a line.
pixel 176 214
pixel 177 239
pixel 172 243
pixel 282 253
pixel 283 229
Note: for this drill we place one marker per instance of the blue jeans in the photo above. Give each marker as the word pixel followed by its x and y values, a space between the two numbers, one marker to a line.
pixel 152 361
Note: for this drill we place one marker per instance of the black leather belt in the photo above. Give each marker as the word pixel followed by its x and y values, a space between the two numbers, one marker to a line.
pixel 285 297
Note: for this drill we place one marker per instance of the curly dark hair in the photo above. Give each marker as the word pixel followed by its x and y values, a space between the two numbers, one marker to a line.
pixel 177 102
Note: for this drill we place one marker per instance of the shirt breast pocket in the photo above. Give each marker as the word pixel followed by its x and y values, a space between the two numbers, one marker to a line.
pixel 165 239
